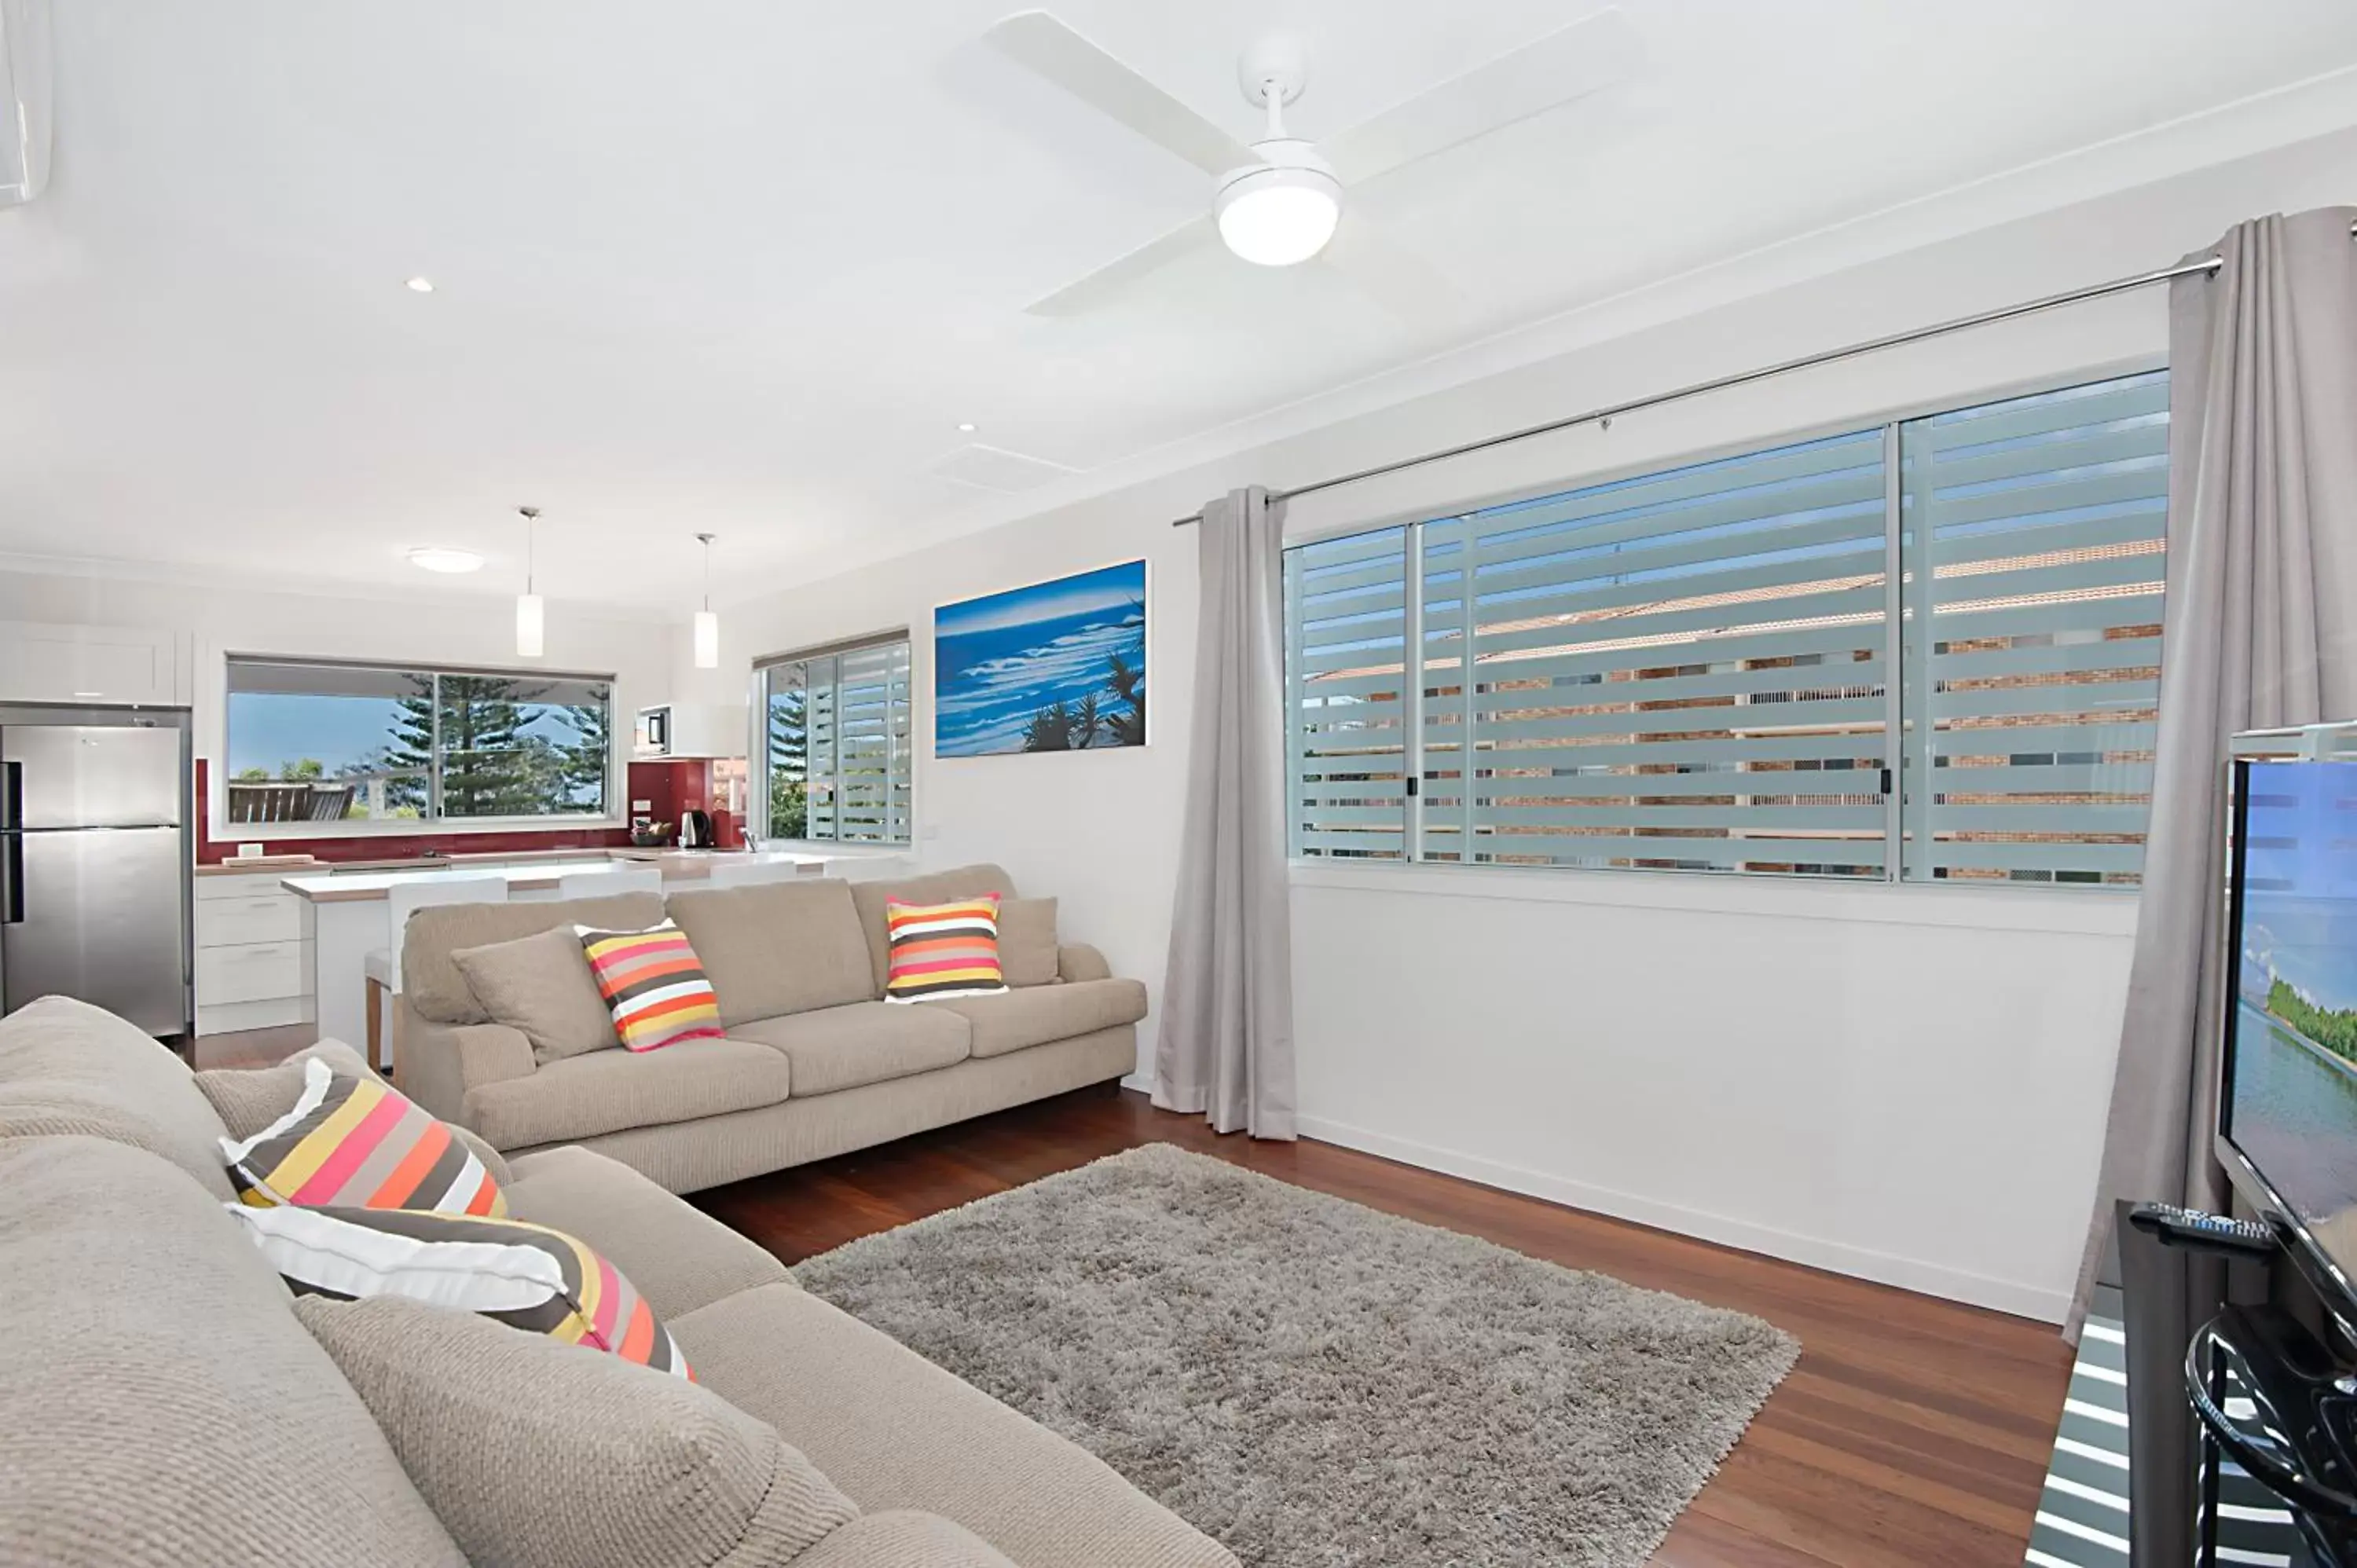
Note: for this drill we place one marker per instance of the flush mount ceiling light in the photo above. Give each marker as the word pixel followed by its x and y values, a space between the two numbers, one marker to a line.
pixel 420 286
pixel 436 558
pixel 532 611
pixel 707 625
pixel 966 426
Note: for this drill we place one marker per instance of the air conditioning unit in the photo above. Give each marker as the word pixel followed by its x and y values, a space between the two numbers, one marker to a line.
pixel 24 100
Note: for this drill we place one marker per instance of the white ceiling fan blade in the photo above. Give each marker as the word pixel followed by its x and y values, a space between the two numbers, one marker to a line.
pixel 1571 62
pixel 1397 279
pixel 1114 277
pixel 1038 41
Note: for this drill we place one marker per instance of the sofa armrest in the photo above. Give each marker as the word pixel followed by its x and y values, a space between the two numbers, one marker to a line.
pixel 902 1536
pixel 438 1063
pixel 1077 960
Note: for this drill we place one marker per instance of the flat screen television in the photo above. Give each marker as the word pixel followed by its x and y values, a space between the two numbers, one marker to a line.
pixel 2287 1114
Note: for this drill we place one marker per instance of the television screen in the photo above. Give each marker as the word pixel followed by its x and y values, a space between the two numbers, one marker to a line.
pixel 2291 1045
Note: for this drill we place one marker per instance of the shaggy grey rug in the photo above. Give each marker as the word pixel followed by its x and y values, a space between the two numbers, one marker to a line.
pixel 1312 1382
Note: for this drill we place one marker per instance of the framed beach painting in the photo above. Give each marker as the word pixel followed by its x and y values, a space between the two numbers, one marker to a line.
pixel 1058 666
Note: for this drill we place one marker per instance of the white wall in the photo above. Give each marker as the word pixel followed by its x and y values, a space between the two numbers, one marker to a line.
pixel 1907 1084
pixel 207 621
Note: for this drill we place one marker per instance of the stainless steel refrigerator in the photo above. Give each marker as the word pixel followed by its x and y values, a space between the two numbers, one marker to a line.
pixel 95 855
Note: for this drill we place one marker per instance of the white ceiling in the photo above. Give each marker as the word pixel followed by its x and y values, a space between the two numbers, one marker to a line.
pixel 743 267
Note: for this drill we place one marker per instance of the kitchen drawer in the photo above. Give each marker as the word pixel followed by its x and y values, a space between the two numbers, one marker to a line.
pixel 232 922
pixel 249 885
pixel 252 972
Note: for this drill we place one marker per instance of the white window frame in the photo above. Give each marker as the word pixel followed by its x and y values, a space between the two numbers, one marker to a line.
pixel 224 828
pixel 2108 908
pixel 903 750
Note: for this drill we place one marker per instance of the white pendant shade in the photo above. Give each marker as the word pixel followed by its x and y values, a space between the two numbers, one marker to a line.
pixel 531 624
pixel 707 640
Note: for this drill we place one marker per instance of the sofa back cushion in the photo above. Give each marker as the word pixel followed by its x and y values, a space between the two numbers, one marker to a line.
pixel 777 947
pixel 67 1066
pixel 940 888
pixel 596 1462
pixel 159 1402
pixel 432 984
pixel 541 986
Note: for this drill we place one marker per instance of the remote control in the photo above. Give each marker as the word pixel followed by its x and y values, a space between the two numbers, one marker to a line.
pixel 2171 1223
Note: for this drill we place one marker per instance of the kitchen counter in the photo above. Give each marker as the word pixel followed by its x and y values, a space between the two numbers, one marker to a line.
pixel 537 871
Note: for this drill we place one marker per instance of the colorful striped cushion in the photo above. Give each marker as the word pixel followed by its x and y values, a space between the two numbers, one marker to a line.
pixel 655 984
pixel 357 1142
pixel 942 949
pixel 528 1276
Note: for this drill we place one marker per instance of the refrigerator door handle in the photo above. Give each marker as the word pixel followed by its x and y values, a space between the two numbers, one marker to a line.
pixel 12 795
pixel 12 879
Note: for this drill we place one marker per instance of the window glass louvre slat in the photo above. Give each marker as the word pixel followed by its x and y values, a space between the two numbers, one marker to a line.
pixel 2034 542
pixel 1347 719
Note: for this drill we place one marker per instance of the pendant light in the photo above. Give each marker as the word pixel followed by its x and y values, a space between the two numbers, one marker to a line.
pixel 707 625
pixel 532 611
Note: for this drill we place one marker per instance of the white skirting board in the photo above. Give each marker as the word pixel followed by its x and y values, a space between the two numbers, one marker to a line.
pixel 1884 1268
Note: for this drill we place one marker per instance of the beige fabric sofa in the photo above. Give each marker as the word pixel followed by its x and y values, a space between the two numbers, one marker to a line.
pixel 814 1063
pixel 162 1402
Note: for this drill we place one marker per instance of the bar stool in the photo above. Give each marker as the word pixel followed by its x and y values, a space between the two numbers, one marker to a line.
pixel 382 965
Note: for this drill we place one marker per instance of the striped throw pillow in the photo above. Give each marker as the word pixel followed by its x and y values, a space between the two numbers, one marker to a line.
pixel 357 1142
pixel 528 1276
pixel 655 984
pixel 942 949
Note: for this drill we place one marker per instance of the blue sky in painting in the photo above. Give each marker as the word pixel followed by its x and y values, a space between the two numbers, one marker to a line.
pixel 999 661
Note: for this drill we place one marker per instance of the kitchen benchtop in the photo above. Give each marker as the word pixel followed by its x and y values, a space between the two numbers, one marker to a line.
pixel 325 884
pixel 291 865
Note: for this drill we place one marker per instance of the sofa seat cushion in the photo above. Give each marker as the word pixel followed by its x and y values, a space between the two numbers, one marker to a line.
pixel 1035 1015
pixel 903 1539
pixel 67 1066
pixel 896 1432
pixel 867 1042
pixel 159 1402
pixel 678 1256
pixel 589 1460
pixel 777 947
pixel 605 1092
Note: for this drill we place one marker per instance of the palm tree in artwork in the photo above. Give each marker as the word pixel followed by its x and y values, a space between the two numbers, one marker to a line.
pixel 1128 687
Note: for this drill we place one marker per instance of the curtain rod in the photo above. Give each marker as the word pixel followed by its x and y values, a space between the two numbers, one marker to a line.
pixel 1745 377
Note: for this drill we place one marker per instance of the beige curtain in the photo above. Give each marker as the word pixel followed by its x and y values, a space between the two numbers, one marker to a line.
pixel 2262 631
pixel 1226 1042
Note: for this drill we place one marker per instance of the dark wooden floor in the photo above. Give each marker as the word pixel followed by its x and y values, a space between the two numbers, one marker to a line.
pixel 1913 1432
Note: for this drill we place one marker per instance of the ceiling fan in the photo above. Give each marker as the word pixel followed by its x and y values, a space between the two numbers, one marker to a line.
pixel 1279 201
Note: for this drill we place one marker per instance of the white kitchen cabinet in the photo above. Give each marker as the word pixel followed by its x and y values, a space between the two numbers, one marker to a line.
pixel 111 664
pixel 254 954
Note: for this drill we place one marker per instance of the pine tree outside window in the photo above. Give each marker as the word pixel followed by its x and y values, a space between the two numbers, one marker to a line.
pixel 837 757
pixel 363 743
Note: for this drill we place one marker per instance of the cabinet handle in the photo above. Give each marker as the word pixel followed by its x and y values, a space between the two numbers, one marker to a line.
pixel 261 953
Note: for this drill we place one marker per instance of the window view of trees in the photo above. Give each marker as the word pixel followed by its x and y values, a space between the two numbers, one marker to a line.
pixel 790 760
pixel 837 750
pixel 357 743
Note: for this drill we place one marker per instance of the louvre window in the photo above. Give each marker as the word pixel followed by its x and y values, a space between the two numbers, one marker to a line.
pixel 1691 670
pixel 836 760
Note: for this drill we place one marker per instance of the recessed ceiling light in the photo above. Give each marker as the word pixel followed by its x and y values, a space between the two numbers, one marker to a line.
pixel 421 285
pixel 434 558
pixel 967 427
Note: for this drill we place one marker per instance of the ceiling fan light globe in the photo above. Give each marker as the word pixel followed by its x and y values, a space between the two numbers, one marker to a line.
pixel 1279 217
